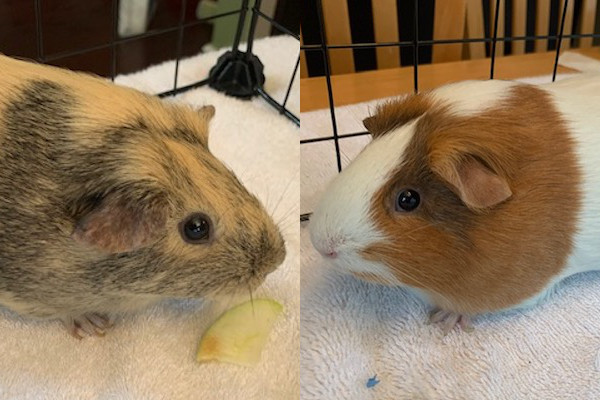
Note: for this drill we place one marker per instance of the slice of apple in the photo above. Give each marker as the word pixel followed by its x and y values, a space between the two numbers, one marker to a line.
pixel 239 335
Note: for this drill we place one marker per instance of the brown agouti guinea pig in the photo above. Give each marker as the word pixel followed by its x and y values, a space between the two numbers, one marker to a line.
pixel 111 200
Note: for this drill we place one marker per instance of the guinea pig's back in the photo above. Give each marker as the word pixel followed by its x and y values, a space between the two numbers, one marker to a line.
pixel 38 108
pixel 578 100
pixel 89 100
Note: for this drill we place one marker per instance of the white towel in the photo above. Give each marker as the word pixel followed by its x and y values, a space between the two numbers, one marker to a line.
pixel 151 355
pixel 353 330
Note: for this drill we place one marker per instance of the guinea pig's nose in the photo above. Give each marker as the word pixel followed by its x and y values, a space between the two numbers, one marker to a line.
pixel 328 245
pixel 328 251
pixel 331 254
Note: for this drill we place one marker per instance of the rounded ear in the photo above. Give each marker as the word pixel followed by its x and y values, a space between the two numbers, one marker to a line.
pixel 207 112
pixel 119 224
pixel 476 185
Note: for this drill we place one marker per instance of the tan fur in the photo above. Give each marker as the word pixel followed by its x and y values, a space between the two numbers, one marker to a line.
pixel 96 181
pixel 94 109
pixel 473 260
pixel 217 200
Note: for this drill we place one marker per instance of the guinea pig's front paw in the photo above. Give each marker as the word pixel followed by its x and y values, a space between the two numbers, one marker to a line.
pixel 89 324
pixel 449 319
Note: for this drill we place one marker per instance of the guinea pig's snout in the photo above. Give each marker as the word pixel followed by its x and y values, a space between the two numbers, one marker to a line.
pixel 329 247
pixel 269 253
pixel 329 237
pixel 329 250
pixel 331 254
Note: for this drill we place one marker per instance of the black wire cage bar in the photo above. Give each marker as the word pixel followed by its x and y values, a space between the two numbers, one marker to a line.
pixel 239 74
pixel 323 47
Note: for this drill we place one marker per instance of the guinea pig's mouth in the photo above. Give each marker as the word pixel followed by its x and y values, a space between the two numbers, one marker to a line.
pixel 238 286
pixel 251 272
pixel 253 277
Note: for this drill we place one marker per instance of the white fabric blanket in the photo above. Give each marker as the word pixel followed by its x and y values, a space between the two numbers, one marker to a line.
pixel 353 330
pixel 151 355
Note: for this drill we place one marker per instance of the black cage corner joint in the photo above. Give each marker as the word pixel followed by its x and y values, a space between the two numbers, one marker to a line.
pixel 236 73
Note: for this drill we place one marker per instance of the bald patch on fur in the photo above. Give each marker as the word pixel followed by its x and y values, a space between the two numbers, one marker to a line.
pixel 122 224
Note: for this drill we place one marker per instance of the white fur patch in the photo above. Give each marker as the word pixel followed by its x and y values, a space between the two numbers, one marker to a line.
pixel 473 97
pixel 578 99
pixel 342 222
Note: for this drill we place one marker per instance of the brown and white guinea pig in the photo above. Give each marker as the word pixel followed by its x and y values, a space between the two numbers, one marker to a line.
pixel 110 200
pixel 480 195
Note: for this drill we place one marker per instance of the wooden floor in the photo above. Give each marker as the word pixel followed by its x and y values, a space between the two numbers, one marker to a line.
pixel 364 86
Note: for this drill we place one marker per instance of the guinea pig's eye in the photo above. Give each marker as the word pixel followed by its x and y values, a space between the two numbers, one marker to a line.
pixel 196 228
pixel 407 200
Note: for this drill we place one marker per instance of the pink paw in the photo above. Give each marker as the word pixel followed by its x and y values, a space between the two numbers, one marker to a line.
pixel 90 324
pixel 449 319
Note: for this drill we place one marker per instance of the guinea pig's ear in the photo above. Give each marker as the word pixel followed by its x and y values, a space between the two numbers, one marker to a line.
pixel 207 112
pixel 477 185
pixel 118 225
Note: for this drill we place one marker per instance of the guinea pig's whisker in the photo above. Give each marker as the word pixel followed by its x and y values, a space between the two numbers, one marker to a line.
pixel 395 261
pixel 410 276
pixel 284 227
pixel 251 300
pixel 228 211
pixel 281 197
pixel 374 277
pixel 248 178
pixel 386 281
pixel 286 216
pixel 265 200
pixel 428 225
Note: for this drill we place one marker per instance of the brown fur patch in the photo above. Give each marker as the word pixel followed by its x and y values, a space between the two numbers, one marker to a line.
pixel 473 261
pixel 395 113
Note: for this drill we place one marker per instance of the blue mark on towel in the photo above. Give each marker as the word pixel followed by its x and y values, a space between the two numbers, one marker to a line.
pixel 372 382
